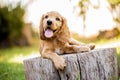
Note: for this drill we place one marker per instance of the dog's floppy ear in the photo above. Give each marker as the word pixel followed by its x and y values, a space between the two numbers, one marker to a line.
pixel 64 33
pixel 41 28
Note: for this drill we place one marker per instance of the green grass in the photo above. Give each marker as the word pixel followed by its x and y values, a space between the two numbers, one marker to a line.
pixel 103 41
pixel 11 66
pixel 11 71
pixel 118 53
pixel 6 54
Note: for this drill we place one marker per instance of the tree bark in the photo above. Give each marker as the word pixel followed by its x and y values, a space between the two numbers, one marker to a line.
pixel 98 64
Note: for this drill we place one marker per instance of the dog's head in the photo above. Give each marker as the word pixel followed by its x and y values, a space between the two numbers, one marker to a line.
pixel 52 24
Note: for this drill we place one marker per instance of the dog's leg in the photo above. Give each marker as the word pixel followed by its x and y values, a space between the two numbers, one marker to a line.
pixel 58 61
pixel 75 42
pixel 75 48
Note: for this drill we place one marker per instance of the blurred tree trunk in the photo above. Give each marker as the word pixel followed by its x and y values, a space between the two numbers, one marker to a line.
pixel 84 24
pixel 114 8
pixel 83 4
pixel 84 7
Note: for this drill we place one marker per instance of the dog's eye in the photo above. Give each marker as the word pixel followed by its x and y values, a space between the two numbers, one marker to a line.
pixel 46 16
pixel 58 19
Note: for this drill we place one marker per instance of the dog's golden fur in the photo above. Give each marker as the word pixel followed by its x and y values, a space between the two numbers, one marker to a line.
pixel 59 41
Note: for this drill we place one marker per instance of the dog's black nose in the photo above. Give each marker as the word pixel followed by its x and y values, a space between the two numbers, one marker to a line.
pixel 49 22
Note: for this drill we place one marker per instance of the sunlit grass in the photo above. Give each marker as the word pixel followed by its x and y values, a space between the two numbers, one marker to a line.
pixel 103 41
pixel 11 61
pixel 7 54
pixel 21 57
pixel 118 53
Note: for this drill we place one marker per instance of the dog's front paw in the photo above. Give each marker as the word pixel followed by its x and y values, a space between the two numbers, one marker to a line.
pixel 59 63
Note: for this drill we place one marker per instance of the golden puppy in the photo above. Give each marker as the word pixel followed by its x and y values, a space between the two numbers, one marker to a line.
pixel 55 39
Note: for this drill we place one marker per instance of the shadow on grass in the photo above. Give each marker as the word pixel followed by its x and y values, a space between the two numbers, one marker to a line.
pixel 11 71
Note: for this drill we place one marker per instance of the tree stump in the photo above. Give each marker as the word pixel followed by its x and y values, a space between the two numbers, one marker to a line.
pixel 98 64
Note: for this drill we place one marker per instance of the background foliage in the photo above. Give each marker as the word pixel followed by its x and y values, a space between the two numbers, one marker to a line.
pixel 11 23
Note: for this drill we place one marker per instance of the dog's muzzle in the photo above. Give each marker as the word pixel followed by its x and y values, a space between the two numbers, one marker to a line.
pixel 49 22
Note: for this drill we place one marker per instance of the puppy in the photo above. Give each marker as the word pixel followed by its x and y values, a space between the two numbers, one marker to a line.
pixel 55 39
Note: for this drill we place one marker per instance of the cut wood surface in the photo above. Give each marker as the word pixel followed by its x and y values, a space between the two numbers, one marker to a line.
pixel 98 64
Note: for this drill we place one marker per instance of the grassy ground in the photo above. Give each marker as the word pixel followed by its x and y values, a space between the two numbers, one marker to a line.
pixel 11 66
pixel 11 71
pixel 118 53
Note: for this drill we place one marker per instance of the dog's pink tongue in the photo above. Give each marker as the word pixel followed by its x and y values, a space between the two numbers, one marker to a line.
pixel 48 33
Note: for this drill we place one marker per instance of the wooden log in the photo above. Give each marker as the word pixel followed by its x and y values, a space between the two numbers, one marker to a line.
pixel 98 64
